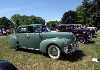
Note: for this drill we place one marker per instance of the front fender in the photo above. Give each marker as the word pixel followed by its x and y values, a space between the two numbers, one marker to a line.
pixel 45 43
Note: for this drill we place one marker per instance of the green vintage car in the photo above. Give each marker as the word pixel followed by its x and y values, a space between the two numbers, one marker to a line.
pixel 39 37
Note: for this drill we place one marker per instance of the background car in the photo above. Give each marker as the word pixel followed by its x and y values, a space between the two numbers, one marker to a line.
pixel 82 35
pixel 93 30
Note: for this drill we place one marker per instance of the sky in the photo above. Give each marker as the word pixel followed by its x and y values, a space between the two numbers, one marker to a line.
pixel 50 10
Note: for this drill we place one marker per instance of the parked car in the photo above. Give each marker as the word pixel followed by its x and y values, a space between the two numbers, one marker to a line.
pixel 5 65
pixel 93 30
pixel 82 35
pixel 38 37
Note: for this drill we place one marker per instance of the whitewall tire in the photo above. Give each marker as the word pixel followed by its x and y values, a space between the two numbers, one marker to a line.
pixel 81 40
pixel 54 52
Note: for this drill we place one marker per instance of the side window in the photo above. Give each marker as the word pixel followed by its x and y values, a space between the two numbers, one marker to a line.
pixel 62 28
pixel 30 29
pixel 45 29
pixel 37 29
pixel 67 27
pixel 22 30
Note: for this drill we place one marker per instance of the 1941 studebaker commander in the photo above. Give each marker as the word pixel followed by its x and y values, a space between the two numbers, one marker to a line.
pixel 38 37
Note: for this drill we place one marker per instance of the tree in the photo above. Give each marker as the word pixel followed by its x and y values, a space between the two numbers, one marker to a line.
pixel 52 24
pixel 36 20
pixel 5 22
pixel 26 20
pixel 96 4
pixel 89 12
pixel 69 17
pixel 86 14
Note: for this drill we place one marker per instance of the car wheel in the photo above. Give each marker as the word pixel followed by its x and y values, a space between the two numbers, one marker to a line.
pixel 54 52
pixel 81 40
pixel 15 47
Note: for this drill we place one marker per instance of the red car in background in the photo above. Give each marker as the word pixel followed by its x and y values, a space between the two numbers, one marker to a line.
pixel 82 34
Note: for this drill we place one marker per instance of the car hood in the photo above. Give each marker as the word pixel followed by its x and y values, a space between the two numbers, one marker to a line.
pixel 67 35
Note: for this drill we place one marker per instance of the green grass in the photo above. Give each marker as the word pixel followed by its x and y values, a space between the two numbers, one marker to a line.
pixel 34 60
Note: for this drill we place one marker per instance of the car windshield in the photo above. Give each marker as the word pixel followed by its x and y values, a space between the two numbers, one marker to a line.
pixel 43 28
pixel 46 29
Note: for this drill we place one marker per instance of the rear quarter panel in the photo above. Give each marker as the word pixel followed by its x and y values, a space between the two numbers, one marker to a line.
pixel 12 40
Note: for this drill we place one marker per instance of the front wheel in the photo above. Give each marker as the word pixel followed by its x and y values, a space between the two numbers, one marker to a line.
pixel 81 40
pixel 54 52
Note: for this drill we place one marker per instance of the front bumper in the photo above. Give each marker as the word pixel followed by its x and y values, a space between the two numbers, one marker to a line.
pixel 71 48
pixel 89 37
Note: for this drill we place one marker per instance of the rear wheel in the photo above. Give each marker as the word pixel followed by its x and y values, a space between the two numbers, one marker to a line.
pixel 54 52
pixel 15 48
pixel 81 40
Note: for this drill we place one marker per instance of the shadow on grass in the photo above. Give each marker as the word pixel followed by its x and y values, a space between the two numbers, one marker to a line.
pixel 29 51
pixel 89 42
pixel 94 36
pixel 73 57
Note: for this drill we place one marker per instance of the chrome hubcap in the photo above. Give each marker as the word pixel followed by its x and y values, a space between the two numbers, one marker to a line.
pixel 81 40
pixel 54 51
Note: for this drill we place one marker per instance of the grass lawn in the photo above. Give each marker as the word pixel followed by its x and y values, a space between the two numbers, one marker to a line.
pixel 34 60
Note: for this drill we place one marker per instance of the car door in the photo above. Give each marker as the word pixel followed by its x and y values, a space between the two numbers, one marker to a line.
pixel 21 36
pixel 33 38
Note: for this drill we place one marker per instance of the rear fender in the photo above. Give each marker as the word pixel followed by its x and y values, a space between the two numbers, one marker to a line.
pixel 13 41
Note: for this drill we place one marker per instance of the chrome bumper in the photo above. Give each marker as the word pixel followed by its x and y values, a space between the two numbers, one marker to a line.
pixel 71 48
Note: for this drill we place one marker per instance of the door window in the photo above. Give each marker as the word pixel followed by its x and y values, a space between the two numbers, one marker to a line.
pixel 37 29
pixel 30 29
pixel 22 30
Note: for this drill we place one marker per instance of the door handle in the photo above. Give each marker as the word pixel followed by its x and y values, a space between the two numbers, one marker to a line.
pixel 28 36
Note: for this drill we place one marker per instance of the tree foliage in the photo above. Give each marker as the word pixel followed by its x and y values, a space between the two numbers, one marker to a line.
pixel 52 24
pixel 18 19
pixel 5 22
pixel 89 12
pixel 69 17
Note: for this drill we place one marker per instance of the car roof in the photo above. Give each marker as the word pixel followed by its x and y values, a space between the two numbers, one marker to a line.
pixel 30 25
pixel 81 29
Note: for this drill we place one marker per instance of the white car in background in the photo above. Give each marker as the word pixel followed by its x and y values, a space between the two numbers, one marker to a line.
pixel 93 28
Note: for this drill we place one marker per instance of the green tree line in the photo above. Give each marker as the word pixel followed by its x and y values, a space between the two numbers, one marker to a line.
pixel 18 19
pixel 87 14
